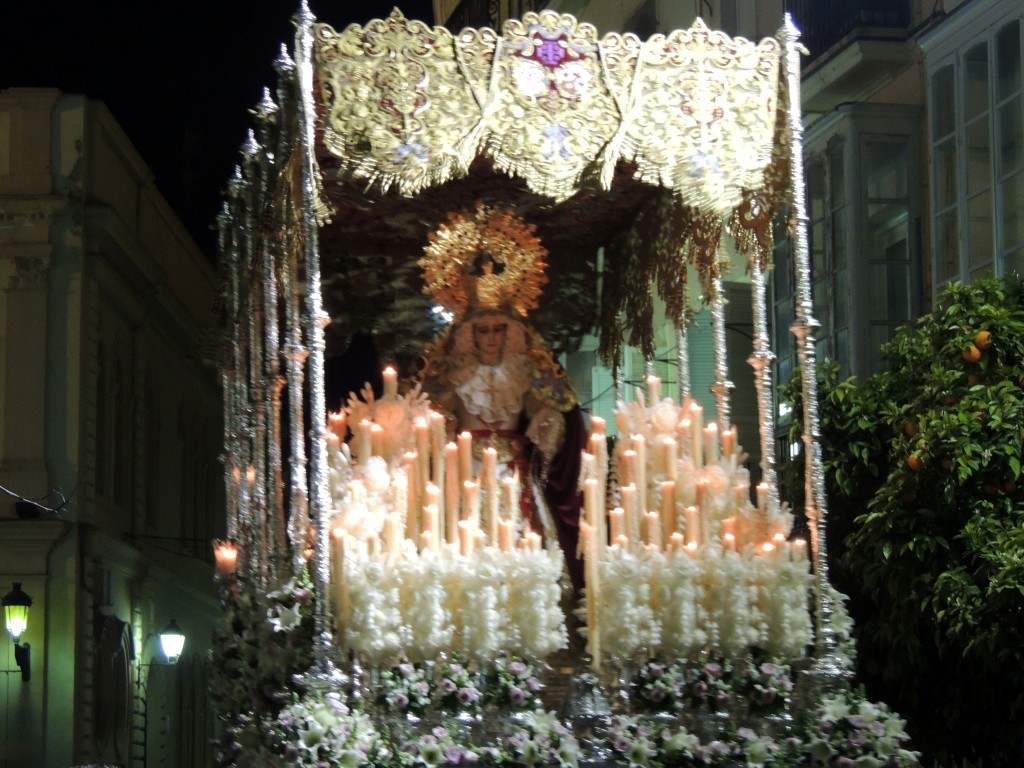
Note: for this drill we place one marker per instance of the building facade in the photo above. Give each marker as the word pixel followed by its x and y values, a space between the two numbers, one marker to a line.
pixel 109 443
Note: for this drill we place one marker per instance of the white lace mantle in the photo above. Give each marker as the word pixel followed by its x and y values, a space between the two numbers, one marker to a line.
pixel 495 393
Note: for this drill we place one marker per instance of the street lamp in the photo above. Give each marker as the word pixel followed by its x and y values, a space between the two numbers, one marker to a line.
pixel 16 604
pixel 172 641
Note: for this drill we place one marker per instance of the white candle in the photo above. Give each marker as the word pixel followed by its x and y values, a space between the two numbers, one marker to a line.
pixel 670 456
pixel 338 423
pixel 692 526
pixel 365 446
pixel 653 520
pixel 742 495
pixel 421 431
pixel 437 435
pixel 685 430
pixel 465 537
pixel 799 550
pixel 413 499
pixel 225 553
pixel 653 389
pixel 728 440
pixel 516 507
pixel 597 426
pixel 469 500
pixel 668 509
pixel 588 466
pixel 696 434
pixel 489 477
pixel 628 467
pixel 762 497
pixel 676 542
pixel 390 383
pixel 392 534
pixel 505 535
pixel 377 439
pixel 640 470
pixel 451 492
pixel 729 542
pixel 430 525
pixel 632 516
pixel 432 513
pixel 593 594
pixel 711 443
pixel 507 498
pixel 615 521
pixel 465 456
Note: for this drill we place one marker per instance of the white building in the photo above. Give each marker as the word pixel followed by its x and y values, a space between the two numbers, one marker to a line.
pixel 111 422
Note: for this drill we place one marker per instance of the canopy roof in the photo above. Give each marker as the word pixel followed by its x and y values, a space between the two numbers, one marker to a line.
pixel 644 147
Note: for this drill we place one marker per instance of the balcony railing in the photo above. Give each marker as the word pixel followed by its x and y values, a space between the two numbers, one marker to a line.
pixel 490 13
pixel 823 23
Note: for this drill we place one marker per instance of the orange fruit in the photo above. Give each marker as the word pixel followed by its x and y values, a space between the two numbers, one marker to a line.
pixel 983 340
pixel 971 353
pixel 910 428
pixel 915 462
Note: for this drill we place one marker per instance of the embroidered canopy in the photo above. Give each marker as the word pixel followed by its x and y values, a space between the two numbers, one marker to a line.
pixel 643 147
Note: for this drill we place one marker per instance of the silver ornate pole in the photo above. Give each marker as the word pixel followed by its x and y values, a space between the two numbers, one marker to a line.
pixel 761 361
pixel 721 386
pixel 232 473
pixel 683 357
pixel 314 324
pixel 828 669
pixel 265 112
pixel 259 351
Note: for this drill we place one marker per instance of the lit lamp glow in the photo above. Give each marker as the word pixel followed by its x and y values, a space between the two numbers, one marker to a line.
pixel 16 604
pixel 172 641
pixel 225 552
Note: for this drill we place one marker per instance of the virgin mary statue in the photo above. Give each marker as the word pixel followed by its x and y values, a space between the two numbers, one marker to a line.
pixel 492 374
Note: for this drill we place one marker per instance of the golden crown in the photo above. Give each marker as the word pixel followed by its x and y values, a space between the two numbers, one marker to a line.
pixel 486 259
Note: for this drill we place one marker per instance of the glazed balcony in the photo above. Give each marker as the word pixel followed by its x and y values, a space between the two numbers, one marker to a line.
pixel 856 47
pixel 486 13
pixel 825 23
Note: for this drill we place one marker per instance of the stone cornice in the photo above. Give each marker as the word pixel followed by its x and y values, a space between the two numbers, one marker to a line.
pixel 25 545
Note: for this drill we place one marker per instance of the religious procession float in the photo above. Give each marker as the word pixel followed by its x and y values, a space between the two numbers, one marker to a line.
pixel 457 565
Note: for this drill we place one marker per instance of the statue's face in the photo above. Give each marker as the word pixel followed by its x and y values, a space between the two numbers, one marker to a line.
pixel 489 333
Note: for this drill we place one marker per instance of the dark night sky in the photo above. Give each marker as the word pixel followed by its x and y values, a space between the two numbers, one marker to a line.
pixel 179 77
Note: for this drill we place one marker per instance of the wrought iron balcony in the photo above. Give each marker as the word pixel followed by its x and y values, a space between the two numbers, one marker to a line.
pixel 490 13
pixel 823 23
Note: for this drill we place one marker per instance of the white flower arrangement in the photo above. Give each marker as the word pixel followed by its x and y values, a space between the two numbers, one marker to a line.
pixel 404 688
pixel 539 739
pixel 723 602
pixel 515 684
pixel 849 731
pixel 321 731
pixel 489 603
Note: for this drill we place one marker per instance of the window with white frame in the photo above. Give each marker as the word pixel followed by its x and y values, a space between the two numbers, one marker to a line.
pixel 977 142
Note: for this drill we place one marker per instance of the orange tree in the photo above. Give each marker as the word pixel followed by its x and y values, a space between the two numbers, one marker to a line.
pixel 923 465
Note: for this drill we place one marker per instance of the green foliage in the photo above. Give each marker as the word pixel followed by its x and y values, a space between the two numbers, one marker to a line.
pixel 924 474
